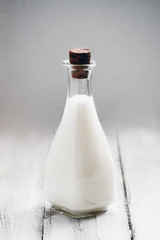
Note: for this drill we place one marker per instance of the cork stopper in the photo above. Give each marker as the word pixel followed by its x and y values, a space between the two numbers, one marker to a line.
pixel 79 56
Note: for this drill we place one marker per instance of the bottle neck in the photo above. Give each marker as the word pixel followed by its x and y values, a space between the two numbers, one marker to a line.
pixel 79 78
pixel 79 86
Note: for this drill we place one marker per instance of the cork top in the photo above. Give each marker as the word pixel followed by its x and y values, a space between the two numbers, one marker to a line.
pixel 80 56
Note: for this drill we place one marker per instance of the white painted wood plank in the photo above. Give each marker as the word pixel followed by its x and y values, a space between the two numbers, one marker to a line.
pixel 140 152
pixel 111 225
pixel 21 186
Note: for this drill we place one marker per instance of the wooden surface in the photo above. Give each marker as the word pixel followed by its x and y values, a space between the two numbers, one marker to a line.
pixel 135 213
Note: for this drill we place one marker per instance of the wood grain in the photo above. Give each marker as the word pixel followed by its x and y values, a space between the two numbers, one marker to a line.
pixel 21 181
pixel 140 152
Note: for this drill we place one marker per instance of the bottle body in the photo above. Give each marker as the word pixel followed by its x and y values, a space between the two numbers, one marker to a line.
pixel 79 172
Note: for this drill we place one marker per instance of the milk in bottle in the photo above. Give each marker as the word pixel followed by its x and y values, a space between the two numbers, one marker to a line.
pixel 79 171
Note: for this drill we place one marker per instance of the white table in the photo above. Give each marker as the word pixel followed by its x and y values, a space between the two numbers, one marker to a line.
pixel 135 213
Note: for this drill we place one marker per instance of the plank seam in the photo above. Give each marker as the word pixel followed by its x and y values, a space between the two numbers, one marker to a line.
pixel 42 238
pixel 126 194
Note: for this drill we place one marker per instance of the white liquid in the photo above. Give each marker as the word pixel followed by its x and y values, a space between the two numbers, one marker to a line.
pixel 79 173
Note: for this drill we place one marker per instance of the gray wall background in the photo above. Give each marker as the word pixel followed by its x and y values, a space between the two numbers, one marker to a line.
pixel 35 37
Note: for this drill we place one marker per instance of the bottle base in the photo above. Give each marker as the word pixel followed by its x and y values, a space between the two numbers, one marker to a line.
pixel 55 209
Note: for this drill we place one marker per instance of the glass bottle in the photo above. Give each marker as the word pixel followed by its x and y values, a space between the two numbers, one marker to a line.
pixel 79 171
